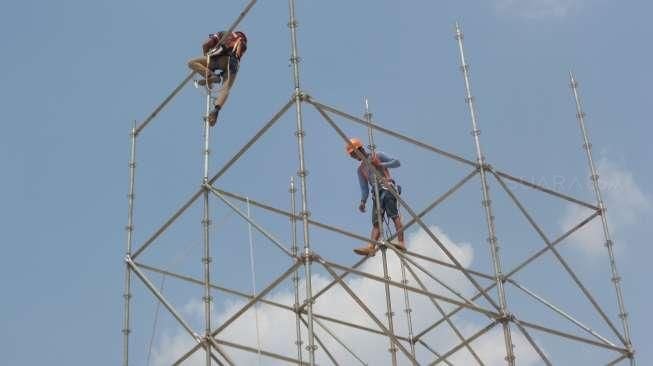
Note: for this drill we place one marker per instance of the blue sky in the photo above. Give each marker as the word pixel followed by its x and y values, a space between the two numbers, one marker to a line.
pixel 75 75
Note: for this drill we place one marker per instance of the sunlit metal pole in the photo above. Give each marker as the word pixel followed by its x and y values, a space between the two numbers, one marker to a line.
pixel 130 236
pixel 594 177
pixel 308 254
pixel 206 224
pixel 295 276
pixel 379 220
pixel 487 204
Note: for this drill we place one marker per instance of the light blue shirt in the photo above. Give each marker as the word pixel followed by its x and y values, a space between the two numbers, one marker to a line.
pixel 387 162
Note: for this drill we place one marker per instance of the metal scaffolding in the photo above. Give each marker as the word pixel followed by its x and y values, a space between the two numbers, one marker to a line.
pixel 316 331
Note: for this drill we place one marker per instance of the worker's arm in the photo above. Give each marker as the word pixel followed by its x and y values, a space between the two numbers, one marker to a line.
pixel 362 182
pixel 211 42
pixel 385 161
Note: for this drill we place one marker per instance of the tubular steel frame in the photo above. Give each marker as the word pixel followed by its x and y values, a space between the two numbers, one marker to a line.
pixel 448 304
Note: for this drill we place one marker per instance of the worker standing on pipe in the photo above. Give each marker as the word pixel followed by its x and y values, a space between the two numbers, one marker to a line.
pixel 223 58
pixel 388 203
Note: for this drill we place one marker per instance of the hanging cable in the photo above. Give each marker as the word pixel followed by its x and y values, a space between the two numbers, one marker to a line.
pixel 182 255
pixel 251 263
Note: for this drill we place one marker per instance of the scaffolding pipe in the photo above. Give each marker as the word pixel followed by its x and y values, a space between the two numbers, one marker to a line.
pixel 594 177
pixel 264 301
pixel 562 261
pixel 366 309
pixel 158 109
pixel 419 221
pixel 251 222
pixel 324 348
pixel 487 203
pixel 465 343
pixel 379 222
pixel 308 255
pixel 442 313
pixel 206 225
pixel 560 311
pixel 513 272
pixel 163 300
pixel 253 270
pixel 130 234
pixel 571 336
pixel 295 275
pixel 340 342
pixel 407 309
pixel 436 150
pixel 436 354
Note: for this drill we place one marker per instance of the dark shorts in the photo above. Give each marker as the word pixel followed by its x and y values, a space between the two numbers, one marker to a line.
pixel 388 206
pixel 219 63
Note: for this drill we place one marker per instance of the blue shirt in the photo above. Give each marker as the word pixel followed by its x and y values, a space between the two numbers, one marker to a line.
pixel 363 172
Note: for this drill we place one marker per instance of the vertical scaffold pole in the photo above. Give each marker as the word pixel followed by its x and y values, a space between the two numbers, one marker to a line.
pixel 295 276
pixel 379 220
pixel 594 177
pixel 407 309
pixel 206 224
pixel 487 204
pixel 130 237
pixel 308 255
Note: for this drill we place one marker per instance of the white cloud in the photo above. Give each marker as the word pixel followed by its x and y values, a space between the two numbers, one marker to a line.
pixel 625 202
pixel 277 326
pixel 535 9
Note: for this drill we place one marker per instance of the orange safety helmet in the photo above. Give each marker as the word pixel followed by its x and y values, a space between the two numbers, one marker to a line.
pixel 353 145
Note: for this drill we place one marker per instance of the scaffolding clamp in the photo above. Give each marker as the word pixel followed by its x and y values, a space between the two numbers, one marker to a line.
pixel 309 256
pixel 505 318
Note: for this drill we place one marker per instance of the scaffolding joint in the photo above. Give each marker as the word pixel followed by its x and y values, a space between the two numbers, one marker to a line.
pixel 510 359
pixel 630 352
pixel 309 256
pixel 505 317
pixel 293 24
pixel 299 95
pixel 207 298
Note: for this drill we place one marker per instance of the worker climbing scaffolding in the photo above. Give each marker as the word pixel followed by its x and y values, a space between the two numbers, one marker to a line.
pixel 387 202
pixel 220 64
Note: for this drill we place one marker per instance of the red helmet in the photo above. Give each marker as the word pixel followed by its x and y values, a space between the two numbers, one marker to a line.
pixel 353 145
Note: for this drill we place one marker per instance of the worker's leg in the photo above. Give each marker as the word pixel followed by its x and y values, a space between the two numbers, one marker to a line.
pixel 199 66
pixel 399 228
pixel 228 78
pixel 376 233
pixel 392 210
pixel 370 249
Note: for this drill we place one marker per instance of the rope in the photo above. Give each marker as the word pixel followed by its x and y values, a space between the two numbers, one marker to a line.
pixel 252 268
pixel 180 257
pixel 388 234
